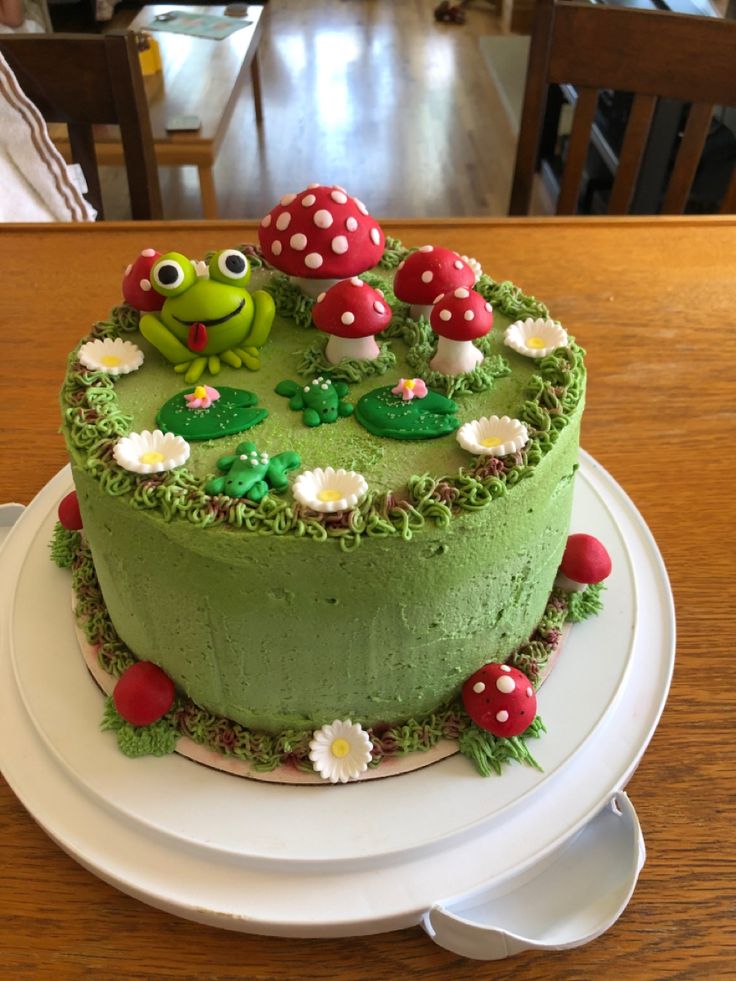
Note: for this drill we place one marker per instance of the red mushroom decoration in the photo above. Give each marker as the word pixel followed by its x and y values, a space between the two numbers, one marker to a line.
pixel 585 561
pixel 319 236
pixel 428 273
pixel 500 699
pixel 352 312
pixel 137 290
pixel 459 318
pixel 68 513
pixel 143 694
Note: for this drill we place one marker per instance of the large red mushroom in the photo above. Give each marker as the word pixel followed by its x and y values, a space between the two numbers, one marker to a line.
pixel 319 236
pixel 428 273
pixel 137 290
pixel 585 562
pixel 459 318
pixel 352 312
pixel 500 699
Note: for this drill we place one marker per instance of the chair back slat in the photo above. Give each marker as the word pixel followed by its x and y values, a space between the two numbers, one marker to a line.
pixel 728 205
pixel 688 158
pixel 632 154
pixel 650 54
pixel 88 79
pixel 577 151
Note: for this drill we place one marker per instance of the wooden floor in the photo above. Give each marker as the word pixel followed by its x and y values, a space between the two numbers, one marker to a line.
pixel 371 94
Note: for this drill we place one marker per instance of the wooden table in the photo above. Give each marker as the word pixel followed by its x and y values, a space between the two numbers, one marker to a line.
pixel 653 302
pixel 200 77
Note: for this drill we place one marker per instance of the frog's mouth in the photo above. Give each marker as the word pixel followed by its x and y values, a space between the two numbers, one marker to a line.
pixel 216 321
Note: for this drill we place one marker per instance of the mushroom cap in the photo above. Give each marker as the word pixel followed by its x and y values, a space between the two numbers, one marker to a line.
pixel 137 290
pixel 143 694
pixel 351 308
pixel 321 233
pixel 585 560
pixel 430 271
pixel 68 512
pixel 462 315
pixel 500 699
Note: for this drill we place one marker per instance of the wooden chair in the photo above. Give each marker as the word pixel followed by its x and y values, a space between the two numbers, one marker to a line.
pixel 651 54
pixel 85 79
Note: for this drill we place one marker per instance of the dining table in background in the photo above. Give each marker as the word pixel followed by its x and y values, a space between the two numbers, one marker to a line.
pixel 652 301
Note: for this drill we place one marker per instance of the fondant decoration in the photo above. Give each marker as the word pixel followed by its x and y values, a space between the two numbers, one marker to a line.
pixel 330 490
pixel 352 313
pixel 341 751
pixel 320 401
pixel 428 273
pixel 251 474
pixel 474 265
pixel 229 411
pixel 410 388
pixel 383 414
pixel 459 318
pixel 320 235
pixel 144 694
pixel 137 290
pixel 535 338
pixel 208 319
pixel 500 699
pixel 493 436
pixel 585 561
pixel 112 356
pixel 148 452
pixel 69 514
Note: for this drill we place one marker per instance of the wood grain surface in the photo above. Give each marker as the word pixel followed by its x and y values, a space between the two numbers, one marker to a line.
pixel 652 301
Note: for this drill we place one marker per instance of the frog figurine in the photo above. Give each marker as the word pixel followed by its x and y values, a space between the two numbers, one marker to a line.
pixel 251 474
pixel 208 316
pixel 320 401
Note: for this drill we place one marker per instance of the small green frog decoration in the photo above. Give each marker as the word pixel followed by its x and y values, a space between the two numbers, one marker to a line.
pixel 323 400
pixel 208 316
pixel 251 474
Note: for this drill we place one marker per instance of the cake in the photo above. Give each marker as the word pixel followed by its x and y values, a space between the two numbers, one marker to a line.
pixel 331 518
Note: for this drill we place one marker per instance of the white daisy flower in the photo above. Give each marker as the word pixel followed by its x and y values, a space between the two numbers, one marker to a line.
pixel 113 356
pixel 151 452
pixel 330 490
pixel 493 436
pixel 341 751
pixel 535 338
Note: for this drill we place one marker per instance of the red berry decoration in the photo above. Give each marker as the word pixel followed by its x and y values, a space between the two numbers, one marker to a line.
pixel 144 693
pixel 69 515
pixel 137 289
pixel 500 699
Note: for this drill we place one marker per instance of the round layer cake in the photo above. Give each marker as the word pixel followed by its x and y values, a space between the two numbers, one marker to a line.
pixel 280 617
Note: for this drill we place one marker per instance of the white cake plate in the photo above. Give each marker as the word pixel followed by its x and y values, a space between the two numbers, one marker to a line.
pixel 489 866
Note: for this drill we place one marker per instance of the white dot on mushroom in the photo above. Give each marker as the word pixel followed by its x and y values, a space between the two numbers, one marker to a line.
pixel 339 245
pixel 266 222
pixel 313 261
pixel 469 315
pixel 283 221
pixel 338 197
pixel 427 276
pixel 379 307
pixel 322 218
pixel 145 285
pixel 505 685
pixel 461 293
pixel 287 199
pixel 479 687
pixel 375 236
pixel 351 224
pixel 502 716
pixel 308 200
pixel 298 242
pixel 354 281
pixel 347 318
pixel 426 248
pixel 445 315
pixel 276 248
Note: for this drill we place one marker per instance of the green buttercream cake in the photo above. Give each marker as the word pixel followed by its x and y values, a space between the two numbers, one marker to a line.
pixel 281 618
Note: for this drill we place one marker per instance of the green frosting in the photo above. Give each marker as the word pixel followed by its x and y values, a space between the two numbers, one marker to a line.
pixel 351 370
pixel 63 545
pixel 282 619
pixel 233 412
pixel 158 739
pixel 388 415
pixel 490 753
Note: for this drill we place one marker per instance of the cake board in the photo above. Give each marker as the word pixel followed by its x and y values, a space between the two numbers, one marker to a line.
pixel 316 861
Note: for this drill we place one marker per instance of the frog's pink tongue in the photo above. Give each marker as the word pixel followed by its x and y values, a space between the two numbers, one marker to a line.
pixel 197 340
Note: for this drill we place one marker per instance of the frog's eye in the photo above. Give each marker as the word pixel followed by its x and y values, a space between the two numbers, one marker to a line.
pixel 172 274
pixel 230 266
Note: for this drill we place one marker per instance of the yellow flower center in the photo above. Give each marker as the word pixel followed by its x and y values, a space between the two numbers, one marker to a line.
pixel 110 360
pixel 329 495
pixel 200 392
pixel 535 342
pixel 152 456
pixel 409 383
pixel 490 441
pixel 340 748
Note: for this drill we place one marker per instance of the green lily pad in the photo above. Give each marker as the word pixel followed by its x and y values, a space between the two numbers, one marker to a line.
pixel 388 415
pixel 234 412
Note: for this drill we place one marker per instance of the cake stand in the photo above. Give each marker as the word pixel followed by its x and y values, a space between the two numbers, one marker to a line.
pixel 488 866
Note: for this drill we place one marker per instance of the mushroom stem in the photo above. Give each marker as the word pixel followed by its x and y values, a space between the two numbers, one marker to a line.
pixel 361 348
pixel 417 310
pixel 565 582
pixel 455 357
pixel 313 287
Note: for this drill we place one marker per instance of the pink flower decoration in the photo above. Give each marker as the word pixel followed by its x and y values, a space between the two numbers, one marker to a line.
pixel 202 397
pixel 410 388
